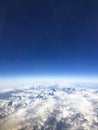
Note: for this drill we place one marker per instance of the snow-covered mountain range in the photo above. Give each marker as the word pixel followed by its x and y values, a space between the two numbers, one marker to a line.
pixel 49 108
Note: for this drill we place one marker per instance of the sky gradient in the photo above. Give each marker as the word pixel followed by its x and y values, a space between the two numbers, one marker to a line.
pixel 49 37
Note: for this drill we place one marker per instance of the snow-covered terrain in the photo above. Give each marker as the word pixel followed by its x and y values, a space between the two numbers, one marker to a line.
pixel 49 108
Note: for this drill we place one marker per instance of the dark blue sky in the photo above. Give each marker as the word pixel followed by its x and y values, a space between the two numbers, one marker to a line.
pixel 49 37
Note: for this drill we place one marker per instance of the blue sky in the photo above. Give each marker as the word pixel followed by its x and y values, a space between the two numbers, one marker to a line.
pixel 49 38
